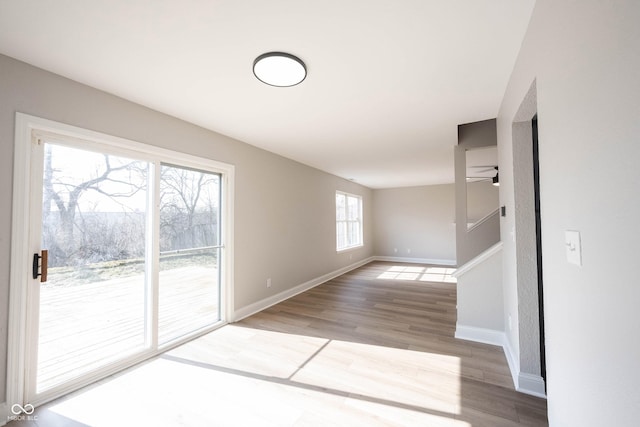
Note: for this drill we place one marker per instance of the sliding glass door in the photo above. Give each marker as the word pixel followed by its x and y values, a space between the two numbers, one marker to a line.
pixel 127 259
pixel 189 292
pixel 91 308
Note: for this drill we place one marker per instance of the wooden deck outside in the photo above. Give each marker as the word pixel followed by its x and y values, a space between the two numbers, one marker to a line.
pixel 86 326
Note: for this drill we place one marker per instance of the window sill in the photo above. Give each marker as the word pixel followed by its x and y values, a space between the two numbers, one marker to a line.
pixel 349 249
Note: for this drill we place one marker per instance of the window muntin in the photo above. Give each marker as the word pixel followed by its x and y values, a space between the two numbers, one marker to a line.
pixel 348 221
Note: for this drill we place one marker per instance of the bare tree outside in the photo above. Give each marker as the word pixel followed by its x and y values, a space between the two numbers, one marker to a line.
pixel 188 208
pixel 93 208
pixel 97 209
pixel 94 214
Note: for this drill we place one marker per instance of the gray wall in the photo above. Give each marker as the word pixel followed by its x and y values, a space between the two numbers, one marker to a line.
pixel 482 199
pixel 470 243
pixel 584 57
pixel 480 298
pixel 284 211
pixel 417 218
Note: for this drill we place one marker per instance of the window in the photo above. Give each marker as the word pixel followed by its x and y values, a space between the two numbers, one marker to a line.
pixel 348 221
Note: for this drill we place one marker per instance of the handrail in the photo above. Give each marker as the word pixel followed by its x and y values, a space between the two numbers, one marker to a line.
pixel 483 220
pixel 477 260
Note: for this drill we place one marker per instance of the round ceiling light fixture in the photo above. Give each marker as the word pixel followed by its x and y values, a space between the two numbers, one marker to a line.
pixel 279 69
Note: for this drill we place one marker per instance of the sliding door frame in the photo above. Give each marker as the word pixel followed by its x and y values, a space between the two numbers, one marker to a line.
pixel 21 251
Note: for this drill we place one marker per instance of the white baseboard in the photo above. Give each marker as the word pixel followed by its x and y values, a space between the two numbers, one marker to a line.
pixel 512 361
pixel 486 336
pixel 277 298
pixel 523 382
pixel 4 413
pixel 448 262
pixel 531 384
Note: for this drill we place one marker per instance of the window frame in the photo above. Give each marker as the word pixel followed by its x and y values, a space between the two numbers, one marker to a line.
pixel 359 221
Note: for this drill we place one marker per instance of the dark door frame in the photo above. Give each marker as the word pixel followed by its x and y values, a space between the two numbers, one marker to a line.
pixel 536 190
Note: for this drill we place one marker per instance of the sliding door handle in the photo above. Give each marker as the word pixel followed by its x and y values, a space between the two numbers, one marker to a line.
pixel 40 263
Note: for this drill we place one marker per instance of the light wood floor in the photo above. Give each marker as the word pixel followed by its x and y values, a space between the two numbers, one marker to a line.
pixel 373 347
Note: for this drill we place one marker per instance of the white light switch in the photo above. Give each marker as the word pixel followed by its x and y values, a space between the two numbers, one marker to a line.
pixel 572 243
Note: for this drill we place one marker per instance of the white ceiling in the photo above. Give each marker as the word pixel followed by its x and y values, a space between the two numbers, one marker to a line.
pixel 388 80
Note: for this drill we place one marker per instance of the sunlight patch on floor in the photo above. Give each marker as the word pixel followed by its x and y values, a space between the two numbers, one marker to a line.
pixel 244 376
pixel 422 274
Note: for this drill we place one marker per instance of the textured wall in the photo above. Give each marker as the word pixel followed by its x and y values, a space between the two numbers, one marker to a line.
pixel 480 295
pixel 584 57
pixel 526 253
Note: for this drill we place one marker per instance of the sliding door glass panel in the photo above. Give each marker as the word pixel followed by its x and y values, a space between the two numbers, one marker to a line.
pixel 92 308
pixel 189 287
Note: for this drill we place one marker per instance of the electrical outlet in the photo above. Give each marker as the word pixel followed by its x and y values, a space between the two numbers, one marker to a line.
pixel 395 250
pixel 408 251
pixel 269 282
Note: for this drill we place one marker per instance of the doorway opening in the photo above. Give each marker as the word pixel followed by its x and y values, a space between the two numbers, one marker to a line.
pixel 528 245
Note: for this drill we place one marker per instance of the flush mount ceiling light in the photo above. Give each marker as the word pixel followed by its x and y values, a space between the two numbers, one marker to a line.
pixel 279 69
